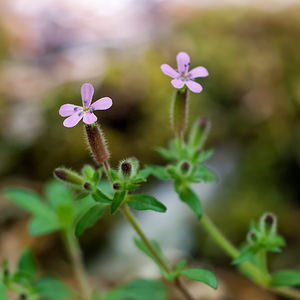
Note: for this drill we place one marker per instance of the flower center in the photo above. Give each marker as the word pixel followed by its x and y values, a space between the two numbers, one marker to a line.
pixel 185 77
pixel 90 109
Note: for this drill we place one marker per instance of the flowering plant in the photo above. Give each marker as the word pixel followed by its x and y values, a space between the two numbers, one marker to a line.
pixel 79 201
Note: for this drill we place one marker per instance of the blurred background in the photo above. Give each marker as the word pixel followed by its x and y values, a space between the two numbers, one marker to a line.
pixel 252 97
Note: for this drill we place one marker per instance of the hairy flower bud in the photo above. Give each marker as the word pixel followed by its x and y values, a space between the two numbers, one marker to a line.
pixel 268 223
pixel 185 166
pixel 116 186
pixel 22 296
pixel 269 219
pixel 251 237
pixel 126 168
pixel 68 176
pixel 97 143
pixel 87 185
pixel 179 111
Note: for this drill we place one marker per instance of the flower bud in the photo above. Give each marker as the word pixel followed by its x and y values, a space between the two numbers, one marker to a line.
pixel 268 223
pixel 252 237
pixel 116 186
pixel 87 185
pixel 126 168
pixel 179 111
pixel 97 143
pixel 185 166
pixel 199 133
pixel 68 176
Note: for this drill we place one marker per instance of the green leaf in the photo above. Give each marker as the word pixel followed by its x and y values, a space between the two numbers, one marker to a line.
pixel 97 176
pixel 40 226
pixel 83 205
pixel 145 202
pixel 204 174
pixel 201 275
pixel 139 290
pixel 204 155
pixel 167 154
pixel 180 265
pixel 285 278
pixel 52 288
pixel 58 194
pixel 2 291
pixel 188 196
pixel 90 218
pixel 28 201
pixel 156 171
pixel 26 263
pixel 88 172
pixel 117 201
pixel 99 196
pixel 140 244
pixel 247 254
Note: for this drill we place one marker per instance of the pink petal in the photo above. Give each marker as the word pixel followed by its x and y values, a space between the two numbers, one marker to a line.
pixel 183 61
pixel 102 103
pixel 169 71
pixel 73 120
pixel 199 72
pixel 87 92
pixel 194 86
pixel 68 109
pixel 177 83
pixel 89 118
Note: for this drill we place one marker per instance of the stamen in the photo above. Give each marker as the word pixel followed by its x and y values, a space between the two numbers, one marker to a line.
pixel 85 101
pixel 75 108
pixel 80 113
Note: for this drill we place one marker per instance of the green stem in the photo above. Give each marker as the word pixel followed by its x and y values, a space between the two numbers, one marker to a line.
pixel 77 263
pixel 261 277
pixel 130 217
pixel 262 261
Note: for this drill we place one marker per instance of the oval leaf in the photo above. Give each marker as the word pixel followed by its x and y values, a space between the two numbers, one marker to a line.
pixel 286 278
pixel 117 201
pixel 145 202
pixel 188 196
pixel 201 275
pixel 90 218
pixel 50 288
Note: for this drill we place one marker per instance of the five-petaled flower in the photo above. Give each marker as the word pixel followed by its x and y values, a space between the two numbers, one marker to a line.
pixel 76 113
pixel 182 75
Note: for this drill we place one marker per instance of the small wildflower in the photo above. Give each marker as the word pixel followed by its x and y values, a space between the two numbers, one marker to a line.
pixel 76 113
pixel 182 75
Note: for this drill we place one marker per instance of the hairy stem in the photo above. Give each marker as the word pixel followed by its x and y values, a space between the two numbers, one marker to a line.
pixel 77 264
pixel 261 277
pixel 130 217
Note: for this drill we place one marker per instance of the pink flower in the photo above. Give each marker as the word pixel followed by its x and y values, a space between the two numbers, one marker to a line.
pixel 76 113
pixel 183 76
